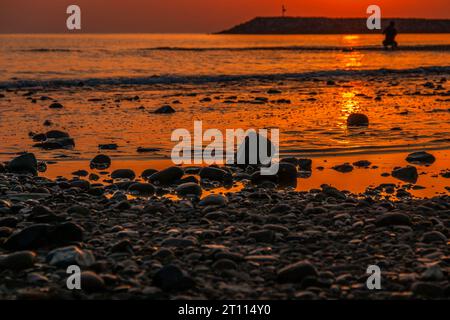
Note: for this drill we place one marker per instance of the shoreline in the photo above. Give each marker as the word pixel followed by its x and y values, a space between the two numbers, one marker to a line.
pixel 255 243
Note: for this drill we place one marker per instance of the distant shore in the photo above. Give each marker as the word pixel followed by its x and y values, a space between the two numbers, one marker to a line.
pixel 320 25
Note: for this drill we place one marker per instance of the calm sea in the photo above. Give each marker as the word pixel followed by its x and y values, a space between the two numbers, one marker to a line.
pixel 162 58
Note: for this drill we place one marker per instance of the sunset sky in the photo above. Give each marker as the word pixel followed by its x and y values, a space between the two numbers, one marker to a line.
pixel 191 15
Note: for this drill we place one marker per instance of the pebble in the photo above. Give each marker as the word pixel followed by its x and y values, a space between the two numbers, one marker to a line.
pixel 142 189
pixel 123 174
pixel 18 260
pixel 357 120
pixel 420 157
pixel 296 272
pixel 70 255
pixel 167 176
pixel 91 282
pixel 189 189
pixel 171 277
pixel 407 174
pixel 393 219
pixel 213 200
pixel 100 162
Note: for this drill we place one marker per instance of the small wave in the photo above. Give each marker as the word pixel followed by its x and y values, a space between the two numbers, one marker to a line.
pixel 443 47
pixel 195 79
pixel 49 50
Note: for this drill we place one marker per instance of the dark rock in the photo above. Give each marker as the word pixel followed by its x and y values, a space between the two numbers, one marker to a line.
pixel 56 105
pixel 427 290
pixel 357 120
pixel 54 144
pixel 56 134
pixel 80 173
pixel 362 163
pixel 144 150
pixel 266 236
pixel 407 174
pixel 24 163
pixel 142 189
pixel 108 146
pixel 167 176
pixel 393 219
pixel 65 233
pixel 343 168
pixel 91 282
pixel 147 173
pixel 171 277
pixel 434 236
pixel 287 173
pixel 295 273
pixel 79 210
pixel 305 164
pixel 420 157
pixel 71 255
pixel 18 260
pixel 100 162
pixel 31 237
pixel 213 200
pixel 164 110
pixel 215 174
pixel 123 174
pixel 224 264
pixel 189 188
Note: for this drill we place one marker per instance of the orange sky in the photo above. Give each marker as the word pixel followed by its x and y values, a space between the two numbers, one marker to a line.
pixel 191 15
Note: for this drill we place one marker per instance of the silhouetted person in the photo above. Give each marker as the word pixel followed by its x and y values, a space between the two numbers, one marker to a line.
pixel 390 33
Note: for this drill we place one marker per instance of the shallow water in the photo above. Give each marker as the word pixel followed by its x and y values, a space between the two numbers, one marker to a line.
pixel 405 94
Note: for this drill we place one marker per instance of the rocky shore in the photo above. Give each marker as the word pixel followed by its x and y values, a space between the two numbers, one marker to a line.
pixel 154 236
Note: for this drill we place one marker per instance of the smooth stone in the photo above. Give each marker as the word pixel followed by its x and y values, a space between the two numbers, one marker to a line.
pixel 305 164
pixel 434 236
pixel 100 162
pixel 287 173
pixel 18 260
pixel 357 120
pixel 164 110
pixel 426 289
pixel 224 264
pixel 108 146
pixel 167 176
pixel 56 105
pixel 266 236
pixel 147 173
pixel 407 174
pixel 31 237
pixel 178 242
pixel 393 219
pixel 142 189
pixel 296 272
pixel 91 282
pixel 24 163
pixel 70 255
pixel 213 200
pixel 123 174
pixel 343 168
pixel 56 134
pixel 172 278
pixel 189 188
pixel 79 210
pixel 420 157
pixel 362 163
pixel 55 144
pixel 214 174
